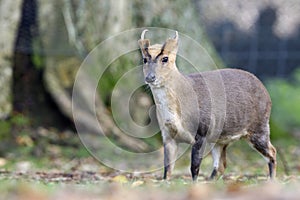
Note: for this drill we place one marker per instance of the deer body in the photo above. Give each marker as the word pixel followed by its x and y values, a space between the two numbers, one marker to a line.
pixel 185 111
pixel 169 101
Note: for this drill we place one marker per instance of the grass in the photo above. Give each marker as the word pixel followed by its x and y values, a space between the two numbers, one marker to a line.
pixel 147 187
pixel 37 166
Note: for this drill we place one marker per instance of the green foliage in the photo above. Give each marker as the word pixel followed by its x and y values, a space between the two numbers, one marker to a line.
pixel 5 127
pixel 37 59
pixel 285 96
pixel 114 72
pixel 20 120
pixel 16 120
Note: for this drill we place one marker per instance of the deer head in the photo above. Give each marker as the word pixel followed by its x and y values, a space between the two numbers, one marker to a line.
pixel 158 60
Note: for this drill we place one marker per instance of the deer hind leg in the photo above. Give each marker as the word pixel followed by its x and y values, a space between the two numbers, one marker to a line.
pixel 223 163
pixel 219 159
pixel 260 141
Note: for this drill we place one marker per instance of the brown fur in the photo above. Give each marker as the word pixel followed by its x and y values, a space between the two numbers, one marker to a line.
pixel 186 103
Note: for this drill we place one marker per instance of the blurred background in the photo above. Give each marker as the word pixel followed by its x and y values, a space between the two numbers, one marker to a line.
pixel 43 43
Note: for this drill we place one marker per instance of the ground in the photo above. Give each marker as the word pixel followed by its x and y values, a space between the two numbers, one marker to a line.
pixel 66 170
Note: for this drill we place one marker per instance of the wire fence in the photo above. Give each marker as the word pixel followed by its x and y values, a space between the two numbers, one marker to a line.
pixel 259 51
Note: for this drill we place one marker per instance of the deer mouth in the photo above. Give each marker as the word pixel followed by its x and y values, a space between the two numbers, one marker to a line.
pixel 155 84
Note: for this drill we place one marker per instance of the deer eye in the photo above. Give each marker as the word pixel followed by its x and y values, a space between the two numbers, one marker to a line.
pixel 164 59
pixel 145 60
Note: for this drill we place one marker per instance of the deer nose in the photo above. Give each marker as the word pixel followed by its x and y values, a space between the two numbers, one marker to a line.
pixel 150 78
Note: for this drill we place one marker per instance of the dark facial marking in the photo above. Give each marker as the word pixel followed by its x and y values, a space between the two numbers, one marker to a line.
pixel 161 52
pixel 147 52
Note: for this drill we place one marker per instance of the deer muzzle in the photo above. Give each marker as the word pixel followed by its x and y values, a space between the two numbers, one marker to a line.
pixel 150 78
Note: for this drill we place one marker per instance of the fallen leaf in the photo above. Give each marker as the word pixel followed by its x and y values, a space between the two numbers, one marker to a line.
pixel 137 183
pixel 2 162
pixel 120 179
pixel 24 140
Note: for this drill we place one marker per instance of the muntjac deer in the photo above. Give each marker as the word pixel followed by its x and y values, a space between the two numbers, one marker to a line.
pixel 184 108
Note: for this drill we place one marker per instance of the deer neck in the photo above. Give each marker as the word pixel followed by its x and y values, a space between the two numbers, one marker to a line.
pixel 172 78
pixel 166 93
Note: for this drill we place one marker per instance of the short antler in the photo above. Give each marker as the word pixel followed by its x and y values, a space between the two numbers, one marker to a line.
pixel 143 34
pixel 176 35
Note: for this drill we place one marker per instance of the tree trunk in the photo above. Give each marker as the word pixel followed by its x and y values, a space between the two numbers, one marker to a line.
pixel 10 12
pixel 29 95
pixel 68 32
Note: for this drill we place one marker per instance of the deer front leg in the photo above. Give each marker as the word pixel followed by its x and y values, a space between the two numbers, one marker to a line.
pixel 170 154
pixel 197 155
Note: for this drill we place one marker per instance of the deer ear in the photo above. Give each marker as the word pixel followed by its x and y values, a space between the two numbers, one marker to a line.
pixel 144 44
pixel 171 45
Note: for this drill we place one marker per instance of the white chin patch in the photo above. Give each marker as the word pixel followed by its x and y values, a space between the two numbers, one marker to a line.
pixel 155 84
